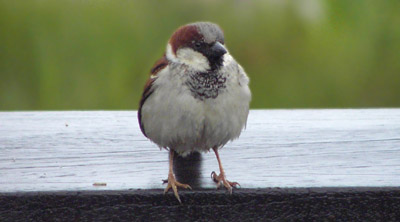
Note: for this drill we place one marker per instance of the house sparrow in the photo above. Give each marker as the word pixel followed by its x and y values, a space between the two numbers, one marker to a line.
pixel 196 99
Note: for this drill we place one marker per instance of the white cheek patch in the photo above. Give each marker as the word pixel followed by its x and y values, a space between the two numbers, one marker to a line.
pixel 170 55
pixel 227 59
pixel 193 59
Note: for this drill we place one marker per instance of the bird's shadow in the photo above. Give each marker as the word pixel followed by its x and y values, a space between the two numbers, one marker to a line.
pixel 188 169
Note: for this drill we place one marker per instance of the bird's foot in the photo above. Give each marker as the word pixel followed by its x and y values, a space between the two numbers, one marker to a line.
pixel 172 183
pixel 221 179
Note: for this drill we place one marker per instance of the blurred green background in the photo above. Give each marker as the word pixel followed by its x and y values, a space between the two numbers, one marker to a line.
pixel 96 54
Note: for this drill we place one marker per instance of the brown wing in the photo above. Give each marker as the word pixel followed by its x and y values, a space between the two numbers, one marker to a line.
pixel 149 87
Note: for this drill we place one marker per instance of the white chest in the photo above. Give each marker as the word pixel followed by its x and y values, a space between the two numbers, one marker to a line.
pixel 187 114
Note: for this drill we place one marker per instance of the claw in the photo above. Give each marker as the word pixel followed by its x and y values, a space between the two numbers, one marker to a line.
pixel 172 183
pixel 220 179
pixel 213 175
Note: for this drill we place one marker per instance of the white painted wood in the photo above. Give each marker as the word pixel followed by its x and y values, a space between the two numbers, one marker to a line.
pixel 72 150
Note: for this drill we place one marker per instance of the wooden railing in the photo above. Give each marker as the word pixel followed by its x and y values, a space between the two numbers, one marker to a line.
pixel 332 165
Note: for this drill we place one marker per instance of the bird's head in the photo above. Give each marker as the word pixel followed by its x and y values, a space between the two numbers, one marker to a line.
pixel 198 45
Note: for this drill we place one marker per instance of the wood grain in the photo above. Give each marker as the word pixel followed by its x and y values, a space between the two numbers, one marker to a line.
pixel 72 150
pixel 268 204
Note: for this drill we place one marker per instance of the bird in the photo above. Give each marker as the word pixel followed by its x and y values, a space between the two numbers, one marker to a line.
pixel 196 99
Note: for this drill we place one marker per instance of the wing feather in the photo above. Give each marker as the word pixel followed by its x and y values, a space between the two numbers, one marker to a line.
pixel 149 88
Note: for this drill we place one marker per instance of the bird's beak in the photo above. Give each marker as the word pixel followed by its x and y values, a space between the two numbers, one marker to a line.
pixel 218 49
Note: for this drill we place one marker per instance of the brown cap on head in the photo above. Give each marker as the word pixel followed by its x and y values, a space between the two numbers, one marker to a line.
pixel 199 32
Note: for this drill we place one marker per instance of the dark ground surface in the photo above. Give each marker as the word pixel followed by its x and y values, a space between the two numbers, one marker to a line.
pixel 270 204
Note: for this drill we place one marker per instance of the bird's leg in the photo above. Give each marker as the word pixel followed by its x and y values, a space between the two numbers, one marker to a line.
pixel 172 183
pixel 221 177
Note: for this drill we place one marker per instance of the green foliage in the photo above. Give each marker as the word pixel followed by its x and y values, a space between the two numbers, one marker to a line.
pixel 87 54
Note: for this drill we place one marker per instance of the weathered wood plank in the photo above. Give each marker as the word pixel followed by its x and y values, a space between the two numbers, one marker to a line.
pixel 268 204
pixel 50 151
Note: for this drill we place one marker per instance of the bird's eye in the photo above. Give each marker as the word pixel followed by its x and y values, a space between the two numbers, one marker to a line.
pixel 197 44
